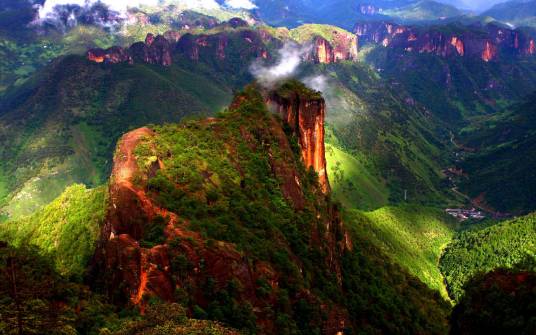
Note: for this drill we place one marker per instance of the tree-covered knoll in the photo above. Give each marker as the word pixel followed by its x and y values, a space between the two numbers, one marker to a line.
pixel 504 245
pixel 66 229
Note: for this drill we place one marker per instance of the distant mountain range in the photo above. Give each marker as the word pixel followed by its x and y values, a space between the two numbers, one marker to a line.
pixel 517 12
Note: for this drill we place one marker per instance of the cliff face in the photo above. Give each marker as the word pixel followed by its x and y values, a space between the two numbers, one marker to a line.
pixel 180 259
pixel 234 42
pixel 305 115
pixel 245 44
pixel 486 43
pixel 324 52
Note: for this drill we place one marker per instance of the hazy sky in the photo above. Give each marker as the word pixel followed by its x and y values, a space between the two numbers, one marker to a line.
pixel 474 4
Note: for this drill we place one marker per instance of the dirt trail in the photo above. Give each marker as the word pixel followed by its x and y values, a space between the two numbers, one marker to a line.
pixel 126 166
pixel 124 171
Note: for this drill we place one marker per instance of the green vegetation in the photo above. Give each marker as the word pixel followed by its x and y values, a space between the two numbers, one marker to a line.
pixel 67 229
pixel 62 125
pixel 353 181
pixel 225 188
pixel 480 250
pixel 307 32
pixel 502 168
pixel 456 88
pixel 371 275
pixel 413 236
pixel 404 146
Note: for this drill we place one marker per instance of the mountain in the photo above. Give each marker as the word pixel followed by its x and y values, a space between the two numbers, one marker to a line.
pixel 170 232
pixel 344 13
pixel 423 11
pixel 505 293
pixel 28 43
pixel 519 12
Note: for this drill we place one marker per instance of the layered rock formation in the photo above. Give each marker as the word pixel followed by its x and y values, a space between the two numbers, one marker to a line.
pixel 487 42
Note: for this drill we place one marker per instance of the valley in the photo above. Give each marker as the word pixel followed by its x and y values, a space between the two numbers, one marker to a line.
pixel 297 167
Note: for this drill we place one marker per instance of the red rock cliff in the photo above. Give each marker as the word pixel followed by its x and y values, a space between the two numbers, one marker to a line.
pixel 305 115
pixel 485 42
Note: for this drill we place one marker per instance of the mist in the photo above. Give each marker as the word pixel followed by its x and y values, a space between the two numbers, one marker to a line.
pixel 289 60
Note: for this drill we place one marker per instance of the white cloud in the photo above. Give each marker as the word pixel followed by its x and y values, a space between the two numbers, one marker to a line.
pixel 121 6
pixel 242 4
pixel 290 58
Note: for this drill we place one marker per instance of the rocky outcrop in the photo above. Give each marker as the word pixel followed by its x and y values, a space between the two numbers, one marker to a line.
pixel 305 114
pixel 112 55
pixel 155 50
pixel 342 47
pixel 485 42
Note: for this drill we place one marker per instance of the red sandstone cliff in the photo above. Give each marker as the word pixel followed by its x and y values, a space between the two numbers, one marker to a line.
pixel 487 42
pixel 305 115
pixel 234 42
pixel 342 47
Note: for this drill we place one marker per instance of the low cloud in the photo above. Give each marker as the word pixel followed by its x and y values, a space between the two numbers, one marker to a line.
pixel 288 62
pixel 240 4
pixel 111 14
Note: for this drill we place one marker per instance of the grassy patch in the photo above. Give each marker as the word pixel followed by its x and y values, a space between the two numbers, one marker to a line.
pixel 352 181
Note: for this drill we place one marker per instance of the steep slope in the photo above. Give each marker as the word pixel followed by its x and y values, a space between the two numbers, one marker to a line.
pixel 413 236
pixel 504 144
pixel 62 125
pixel 194 74
pixel 400 144
pixel 224 213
